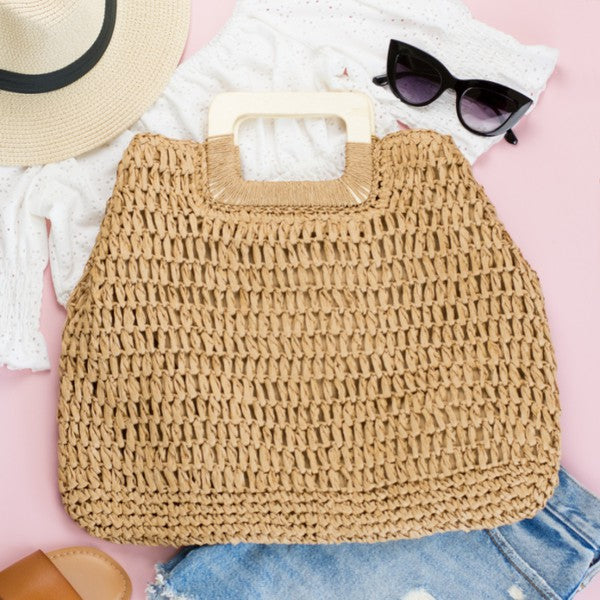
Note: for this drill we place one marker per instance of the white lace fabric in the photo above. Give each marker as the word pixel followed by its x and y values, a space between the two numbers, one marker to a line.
pixel 266 45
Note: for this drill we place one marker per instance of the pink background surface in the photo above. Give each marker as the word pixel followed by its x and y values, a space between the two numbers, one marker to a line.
pixel 546 191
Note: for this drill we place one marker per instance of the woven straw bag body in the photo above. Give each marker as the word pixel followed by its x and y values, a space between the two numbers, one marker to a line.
pixel 275 362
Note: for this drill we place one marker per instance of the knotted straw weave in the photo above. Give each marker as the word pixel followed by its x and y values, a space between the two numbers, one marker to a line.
pixel 295 370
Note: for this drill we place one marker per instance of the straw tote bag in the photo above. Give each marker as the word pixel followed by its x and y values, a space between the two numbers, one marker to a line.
pixel 360 359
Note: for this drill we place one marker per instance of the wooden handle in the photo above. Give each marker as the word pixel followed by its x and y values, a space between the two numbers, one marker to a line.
pixel 228 110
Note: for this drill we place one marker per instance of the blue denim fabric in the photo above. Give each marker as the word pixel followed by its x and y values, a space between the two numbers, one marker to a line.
pixel 550 556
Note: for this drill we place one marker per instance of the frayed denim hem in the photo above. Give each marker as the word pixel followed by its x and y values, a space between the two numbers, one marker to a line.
pixel 160 589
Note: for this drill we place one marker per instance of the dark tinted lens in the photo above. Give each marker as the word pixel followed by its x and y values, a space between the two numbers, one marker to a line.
pixel 485 110
pixel 416 81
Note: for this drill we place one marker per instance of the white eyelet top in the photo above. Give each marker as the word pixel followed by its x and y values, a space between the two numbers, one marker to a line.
pixel 266 45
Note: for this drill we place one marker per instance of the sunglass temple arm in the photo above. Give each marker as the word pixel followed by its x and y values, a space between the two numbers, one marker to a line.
pixel 511 138
pixel 380 80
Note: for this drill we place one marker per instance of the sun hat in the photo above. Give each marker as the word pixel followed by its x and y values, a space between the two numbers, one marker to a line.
pixel 76 73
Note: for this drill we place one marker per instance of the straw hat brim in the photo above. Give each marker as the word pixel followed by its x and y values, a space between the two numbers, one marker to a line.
pixel 145 47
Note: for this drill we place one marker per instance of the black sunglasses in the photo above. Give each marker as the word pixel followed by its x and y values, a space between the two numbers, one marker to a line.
pixel 483 107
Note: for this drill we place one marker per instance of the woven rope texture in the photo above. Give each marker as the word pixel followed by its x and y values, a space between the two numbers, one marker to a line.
pixel 296 371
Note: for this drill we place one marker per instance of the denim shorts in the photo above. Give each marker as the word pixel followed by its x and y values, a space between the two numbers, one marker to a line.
pixel 551 556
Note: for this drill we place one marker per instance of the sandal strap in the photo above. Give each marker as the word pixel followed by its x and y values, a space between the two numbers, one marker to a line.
pixel 35 578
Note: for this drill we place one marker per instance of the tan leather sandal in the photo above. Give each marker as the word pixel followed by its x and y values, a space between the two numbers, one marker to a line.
pixel 77 573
